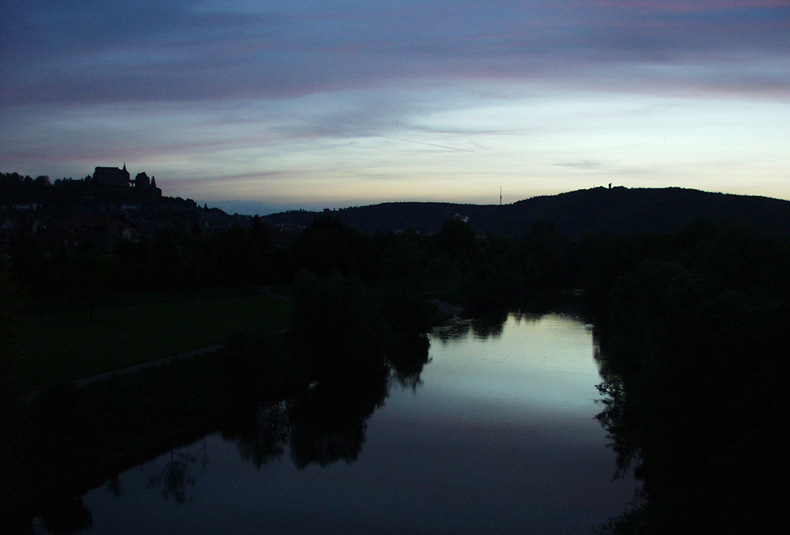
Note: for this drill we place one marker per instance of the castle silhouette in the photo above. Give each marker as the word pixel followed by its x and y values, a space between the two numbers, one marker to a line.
pixel 119 178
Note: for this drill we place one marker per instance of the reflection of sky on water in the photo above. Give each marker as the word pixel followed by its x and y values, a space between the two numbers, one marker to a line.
pixel 499 438
pixel 539 368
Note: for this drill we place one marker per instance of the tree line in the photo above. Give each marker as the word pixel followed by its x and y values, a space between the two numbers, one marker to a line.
pixel 694 356
pixel 486 270
pixel 691 325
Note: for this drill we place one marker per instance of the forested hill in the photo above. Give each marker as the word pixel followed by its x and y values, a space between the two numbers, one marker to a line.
pixel 648 210
pixel 597 210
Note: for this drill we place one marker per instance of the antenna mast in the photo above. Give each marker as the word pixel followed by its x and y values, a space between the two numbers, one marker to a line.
pixel 500 195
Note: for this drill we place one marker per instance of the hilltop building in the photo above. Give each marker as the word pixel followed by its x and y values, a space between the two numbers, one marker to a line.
pixel 112 176
pixel 116 178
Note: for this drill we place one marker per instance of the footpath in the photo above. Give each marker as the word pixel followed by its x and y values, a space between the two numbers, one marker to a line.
pixel 132 369
pixel 142 366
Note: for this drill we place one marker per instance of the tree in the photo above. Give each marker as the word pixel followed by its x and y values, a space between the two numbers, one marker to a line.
pixel 88 275
pixel 456 239
pixel 335 326
pixel 30 266
pixel 172 265
pixel 10 301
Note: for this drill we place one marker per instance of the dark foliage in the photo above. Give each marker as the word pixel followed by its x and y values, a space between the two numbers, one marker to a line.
pixel 696 367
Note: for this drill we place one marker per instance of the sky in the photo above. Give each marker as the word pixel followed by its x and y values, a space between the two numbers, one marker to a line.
pixel 262 106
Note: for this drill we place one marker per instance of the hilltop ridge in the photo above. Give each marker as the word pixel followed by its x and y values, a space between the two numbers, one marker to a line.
pixel 140 205
pixel 106 208
pixel 575 213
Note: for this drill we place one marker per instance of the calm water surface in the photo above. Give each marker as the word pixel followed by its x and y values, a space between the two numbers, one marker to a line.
pixel 498 437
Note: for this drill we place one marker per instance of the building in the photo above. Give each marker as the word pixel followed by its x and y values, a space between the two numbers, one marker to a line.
pixel 121 179
pixel 112 177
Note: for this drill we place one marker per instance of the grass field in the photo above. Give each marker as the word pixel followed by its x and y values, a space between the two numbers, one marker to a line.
pixel 74 343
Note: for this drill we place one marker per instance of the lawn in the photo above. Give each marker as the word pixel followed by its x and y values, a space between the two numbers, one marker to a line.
pixel 76 343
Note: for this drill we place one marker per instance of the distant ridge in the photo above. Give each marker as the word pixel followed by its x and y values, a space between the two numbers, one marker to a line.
pixel 576 213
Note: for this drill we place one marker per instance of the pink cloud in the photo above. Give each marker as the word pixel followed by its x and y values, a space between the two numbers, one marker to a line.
pixel 686 6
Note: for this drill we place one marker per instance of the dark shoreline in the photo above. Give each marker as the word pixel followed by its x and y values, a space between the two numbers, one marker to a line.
pixel 161 414
pixel 72 438
pixel 17 514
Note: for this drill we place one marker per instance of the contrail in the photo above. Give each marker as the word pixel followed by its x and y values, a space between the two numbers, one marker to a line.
pixel 430 144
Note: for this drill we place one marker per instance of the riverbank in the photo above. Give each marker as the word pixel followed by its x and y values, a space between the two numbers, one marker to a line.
pixel 56 343
pixel 70 438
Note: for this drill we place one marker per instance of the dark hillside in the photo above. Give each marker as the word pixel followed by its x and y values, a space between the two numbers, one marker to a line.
pixel 426 217
pixel 599 210
pixel 666 210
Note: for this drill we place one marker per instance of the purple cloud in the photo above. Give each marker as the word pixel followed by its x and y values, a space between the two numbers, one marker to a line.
pixel 79 52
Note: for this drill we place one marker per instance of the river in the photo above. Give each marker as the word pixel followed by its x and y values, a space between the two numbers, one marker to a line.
pixel 497 436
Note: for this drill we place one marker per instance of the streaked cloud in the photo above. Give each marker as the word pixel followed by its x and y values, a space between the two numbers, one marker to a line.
pixel 372 96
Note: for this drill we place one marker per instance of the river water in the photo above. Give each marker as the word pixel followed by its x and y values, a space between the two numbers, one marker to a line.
pixel 497 436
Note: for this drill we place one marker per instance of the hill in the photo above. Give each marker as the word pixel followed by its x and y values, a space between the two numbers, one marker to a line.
pixel 576 213
pixel 66 211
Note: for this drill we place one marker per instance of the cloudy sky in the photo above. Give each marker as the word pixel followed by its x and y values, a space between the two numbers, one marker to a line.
pixel 257 106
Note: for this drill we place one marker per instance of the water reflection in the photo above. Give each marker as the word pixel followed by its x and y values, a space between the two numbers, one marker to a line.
pixel 175 477
pixel 66 516
pixel 407 359
pixel 453 331
pixel 326 423
pixel 482 328
pixel 490 326
pixel 263 439
pixel 496 436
